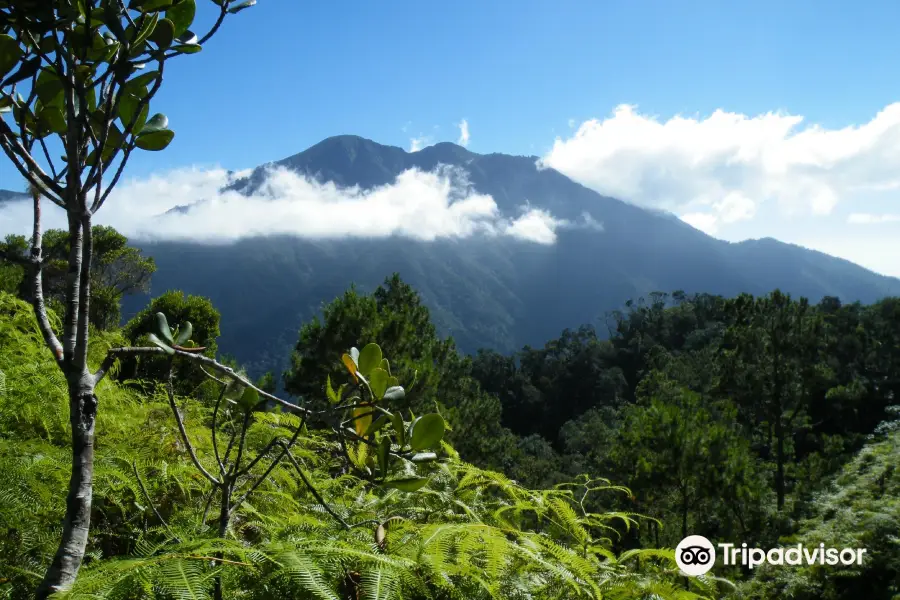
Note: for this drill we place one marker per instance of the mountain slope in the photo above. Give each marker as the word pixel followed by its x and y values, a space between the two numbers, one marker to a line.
pixel 496 292
pixel 486 292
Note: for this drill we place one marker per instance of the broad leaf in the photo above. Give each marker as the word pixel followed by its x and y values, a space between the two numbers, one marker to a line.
pixel 155 140
pixel 157 342
pixel 164 34
pixel 369 359
pixel 384 455
pixel 249 399
pixel 410 484
pixel 351 366
pixel 239 7
pixel 397 421
pixel 427 432
pixel 184 334
pixel 158 122
pixel 362 419
pixel 378 381
pixel 377 425
pixel 395 392
pixel 10 53
pixel 182 15
pixel 162 326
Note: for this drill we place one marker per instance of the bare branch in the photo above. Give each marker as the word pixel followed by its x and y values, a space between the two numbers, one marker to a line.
pixel 170 392
pixel 212 363
pixel 28 168
pixel 37 285
pixel 315 492
pixel 150 501
pixel 285 449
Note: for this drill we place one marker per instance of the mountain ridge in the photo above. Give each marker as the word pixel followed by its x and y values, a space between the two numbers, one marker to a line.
pixel 497 292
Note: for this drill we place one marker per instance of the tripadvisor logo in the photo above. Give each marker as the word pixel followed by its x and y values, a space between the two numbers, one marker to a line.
pixel 695 555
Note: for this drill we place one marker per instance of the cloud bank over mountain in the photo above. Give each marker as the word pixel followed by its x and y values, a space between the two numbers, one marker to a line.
pixel 418 205
pixel 723 168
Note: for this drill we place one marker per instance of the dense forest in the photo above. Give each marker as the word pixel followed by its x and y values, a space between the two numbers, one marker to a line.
pixel 763 420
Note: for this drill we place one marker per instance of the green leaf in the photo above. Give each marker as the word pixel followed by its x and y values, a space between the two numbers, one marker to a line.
pixel 157 342
pixel 188 37
pixel 148 24
pixel 182 15
pixel 141 81
pixel 188 48
pixel 369 359
pixel 164 34
pixel 329 391
pixel 184 334
pixel 397 420
pixel 249 399
pixel 362 419
pixel 427 432
pixel 384 455
pixel 378 380
pixel 409 484
pixel 162 326
pixel 239 7
pixel 377 425
pixel 158 122
pixel 395 392
pixel 155 140
pixel 148 6
pixel 25 70
pixel 128 104
pixel 52 118
pixel 10 53
pixel 386 365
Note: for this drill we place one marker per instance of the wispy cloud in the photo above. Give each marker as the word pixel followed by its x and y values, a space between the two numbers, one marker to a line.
pixel 418 205
pixel 721 169
pixel 463 133
pixel 870 219
pixel 417 143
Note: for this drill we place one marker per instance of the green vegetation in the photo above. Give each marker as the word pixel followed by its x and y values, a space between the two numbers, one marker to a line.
pixel 384 510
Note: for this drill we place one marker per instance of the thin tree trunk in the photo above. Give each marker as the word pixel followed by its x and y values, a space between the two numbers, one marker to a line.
pixel 82 412
pixel 224 519
pixel 779 460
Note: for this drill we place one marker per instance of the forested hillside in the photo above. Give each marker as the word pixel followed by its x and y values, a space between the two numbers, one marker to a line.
pixel 763 420
pixel 486 292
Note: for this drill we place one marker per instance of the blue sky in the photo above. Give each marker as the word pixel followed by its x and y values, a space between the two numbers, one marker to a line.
pixel 287 74
pixel 621 96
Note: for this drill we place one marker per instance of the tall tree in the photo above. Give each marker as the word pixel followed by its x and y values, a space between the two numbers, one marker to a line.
pixel 77 79
pixel 772 354
pixel 117 270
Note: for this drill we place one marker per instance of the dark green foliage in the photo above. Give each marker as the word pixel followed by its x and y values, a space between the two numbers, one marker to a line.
pixel 180 309
pixel 465 533
pixel 440 377
pixel 117 270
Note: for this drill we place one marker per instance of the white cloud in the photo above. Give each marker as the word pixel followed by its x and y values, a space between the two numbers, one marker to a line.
pixel 870 219
pixel 417 143
pixel 705 222
pixel 419 205
pixel 463 133
pixel 535 225
pixel 721 169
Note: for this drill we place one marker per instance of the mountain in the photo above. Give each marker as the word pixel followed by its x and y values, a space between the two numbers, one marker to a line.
pixel 497 292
